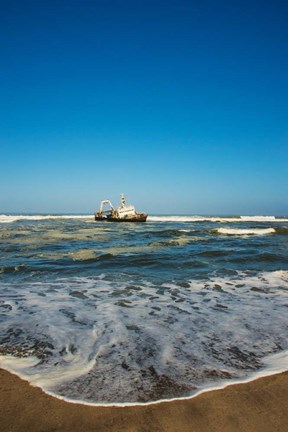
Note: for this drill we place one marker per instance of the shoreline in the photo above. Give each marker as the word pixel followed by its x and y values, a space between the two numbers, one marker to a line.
pixel 258 405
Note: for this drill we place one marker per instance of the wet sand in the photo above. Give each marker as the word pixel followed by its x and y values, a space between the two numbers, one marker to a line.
pixel 257 406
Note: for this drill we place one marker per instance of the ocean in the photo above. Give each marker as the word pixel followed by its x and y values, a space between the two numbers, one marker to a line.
pixel 101 312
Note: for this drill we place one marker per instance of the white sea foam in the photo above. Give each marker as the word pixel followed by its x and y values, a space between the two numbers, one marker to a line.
pixel 245 232
pixel 120 327
pixel 274 364
pixel 258 218
pixel 18 365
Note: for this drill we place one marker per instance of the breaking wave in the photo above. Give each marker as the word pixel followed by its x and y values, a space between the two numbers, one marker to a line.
pixel 258 218
pixel 246 231
pixel 14 218
pixel 217 219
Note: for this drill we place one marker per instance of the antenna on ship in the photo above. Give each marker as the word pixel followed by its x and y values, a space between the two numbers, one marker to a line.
pixel 123 200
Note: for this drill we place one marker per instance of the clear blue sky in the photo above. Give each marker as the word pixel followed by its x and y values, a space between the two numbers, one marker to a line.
pixel 182 105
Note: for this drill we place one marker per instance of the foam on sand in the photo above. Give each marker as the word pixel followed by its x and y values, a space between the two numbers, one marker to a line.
pixel 275 364
pixel 123 332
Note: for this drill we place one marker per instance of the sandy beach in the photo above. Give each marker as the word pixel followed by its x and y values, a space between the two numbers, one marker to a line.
pixel 259 405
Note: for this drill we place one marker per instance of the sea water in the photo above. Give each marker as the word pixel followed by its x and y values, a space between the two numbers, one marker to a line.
pixel 102 312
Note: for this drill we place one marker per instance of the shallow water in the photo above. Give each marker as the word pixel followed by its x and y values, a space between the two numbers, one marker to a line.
pixel 107 312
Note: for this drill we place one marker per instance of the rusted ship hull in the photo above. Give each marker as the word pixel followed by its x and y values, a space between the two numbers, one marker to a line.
pixel 141 217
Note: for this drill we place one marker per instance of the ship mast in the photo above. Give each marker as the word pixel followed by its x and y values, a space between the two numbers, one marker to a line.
pixel 123 200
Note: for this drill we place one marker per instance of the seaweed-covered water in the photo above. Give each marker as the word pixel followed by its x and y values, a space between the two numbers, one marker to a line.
pixel 107 312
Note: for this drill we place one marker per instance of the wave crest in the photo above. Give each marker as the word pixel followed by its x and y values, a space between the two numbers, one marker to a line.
pixel 246 231
pixel 216 219
pixel 14 218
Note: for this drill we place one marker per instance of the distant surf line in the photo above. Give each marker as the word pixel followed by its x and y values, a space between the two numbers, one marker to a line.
pixel 10 218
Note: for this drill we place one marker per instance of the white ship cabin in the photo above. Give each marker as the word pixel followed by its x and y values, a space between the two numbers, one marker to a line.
pixel 125 210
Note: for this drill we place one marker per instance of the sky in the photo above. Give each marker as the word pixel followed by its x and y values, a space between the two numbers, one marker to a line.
pixel 181 105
